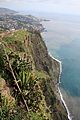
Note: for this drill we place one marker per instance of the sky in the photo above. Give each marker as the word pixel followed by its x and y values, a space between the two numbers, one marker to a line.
pixel 46 6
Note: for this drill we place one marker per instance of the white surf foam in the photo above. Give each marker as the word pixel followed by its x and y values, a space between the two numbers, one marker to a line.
pixel 61 96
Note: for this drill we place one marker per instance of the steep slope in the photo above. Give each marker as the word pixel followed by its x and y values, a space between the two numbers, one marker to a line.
pixel 43 62
pixel 30 76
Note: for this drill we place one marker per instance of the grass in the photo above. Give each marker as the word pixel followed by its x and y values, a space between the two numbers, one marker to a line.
pixel 15 40
pixel 19 35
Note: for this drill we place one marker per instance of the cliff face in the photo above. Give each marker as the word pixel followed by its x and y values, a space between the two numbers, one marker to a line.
pixel 45 63
pixel 28 67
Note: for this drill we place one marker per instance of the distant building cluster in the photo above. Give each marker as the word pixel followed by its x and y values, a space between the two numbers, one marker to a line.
pixel 15 22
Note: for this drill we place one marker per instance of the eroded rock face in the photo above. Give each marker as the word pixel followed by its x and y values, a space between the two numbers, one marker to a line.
pixel 40 54
pixel 45 63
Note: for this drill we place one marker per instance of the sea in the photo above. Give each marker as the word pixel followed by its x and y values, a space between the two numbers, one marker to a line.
pixel 62 37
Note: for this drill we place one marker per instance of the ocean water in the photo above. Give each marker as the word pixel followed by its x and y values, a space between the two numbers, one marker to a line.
pixel 63 41
pixel 70 56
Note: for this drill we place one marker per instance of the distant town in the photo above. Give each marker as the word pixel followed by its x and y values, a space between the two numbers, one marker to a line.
pixel 11 20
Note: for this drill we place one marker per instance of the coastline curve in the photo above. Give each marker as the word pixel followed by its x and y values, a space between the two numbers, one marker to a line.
pixel 61 96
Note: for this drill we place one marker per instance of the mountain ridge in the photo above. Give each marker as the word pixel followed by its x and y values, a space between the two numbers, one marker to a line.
pixel 6 11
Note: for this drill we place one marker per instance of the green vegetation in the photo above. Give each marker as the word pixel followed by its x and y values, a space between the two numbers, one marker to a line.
pixel 23 82
pixel 26 92
pixel 6 111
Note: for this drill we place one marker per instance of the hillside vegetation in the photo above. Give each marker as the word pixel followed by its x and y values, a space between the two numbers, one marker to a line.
pixel 27 78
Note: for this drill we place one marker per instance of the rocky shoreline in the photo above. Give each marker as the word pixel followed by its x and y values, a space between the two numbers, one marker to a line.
pixel 59 91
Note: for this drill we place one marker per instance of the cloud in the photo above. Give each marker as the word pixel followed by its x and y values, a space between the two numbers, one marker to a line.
pixel 5 0
pixel 43 5
pixel 71 2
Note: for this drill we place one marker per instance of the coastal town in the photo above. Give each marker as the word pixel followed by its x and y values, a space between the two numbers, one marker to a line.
pixel 14 21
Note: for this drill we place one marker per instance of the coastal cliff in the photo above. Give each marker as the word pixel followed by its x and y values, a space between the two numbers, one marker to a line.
pixel 28 78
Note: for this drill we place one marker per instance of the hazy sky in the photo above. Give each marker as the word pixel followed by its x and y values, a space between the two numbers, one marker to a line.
pixel 59 6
